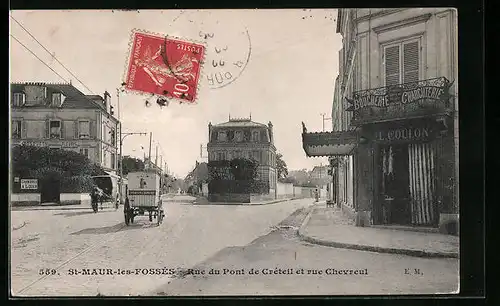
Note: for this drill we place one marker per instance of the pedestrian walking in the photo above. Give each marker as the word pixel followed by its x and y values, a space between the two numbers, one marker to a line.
pixel 94 194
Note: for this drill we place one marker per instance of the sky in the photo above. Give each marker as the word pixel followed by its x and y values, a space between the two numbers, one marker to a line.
pixel 289 76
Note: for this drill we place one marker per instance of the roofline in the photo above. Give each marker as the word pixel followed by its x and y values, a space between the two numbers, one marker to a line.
pixel 92 102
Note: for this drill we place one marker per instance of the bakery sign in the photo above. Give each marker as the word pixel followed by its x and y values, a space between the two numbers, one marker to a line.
pixel 433 89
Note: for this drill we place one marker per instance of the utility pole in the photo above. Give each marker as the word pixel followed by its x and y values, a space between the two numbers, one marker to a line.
pixel 122 137
pixel 156 157
pixel 150 143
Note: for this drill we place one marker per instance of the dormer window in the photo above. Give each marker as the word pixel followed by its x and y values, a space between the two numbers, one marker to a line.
pixel 18 99
pixel 222 136
pixel 239 136
pixel 255 136
pixel 57 99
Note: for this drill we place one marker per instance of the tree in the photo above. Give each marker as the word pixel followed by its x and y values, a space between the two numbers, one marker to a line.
pixel 281 166
pixel 72 170
pixel 132 164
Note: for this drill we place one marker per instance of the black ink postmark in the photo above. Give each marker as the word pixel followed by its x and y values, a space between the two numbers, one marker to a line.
pixel 228 45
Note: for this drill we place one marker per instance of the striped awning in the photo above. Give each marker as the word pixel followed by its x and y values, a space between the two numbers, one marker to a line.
pixel 329 143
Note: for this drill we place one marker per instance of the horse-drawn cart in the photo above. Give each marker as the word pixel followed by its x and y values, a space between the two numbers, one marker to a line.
pixel 143 196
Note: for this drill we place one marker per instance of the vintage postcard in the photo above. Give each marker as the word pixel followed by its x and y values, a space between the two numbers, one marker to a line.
pixel 234 152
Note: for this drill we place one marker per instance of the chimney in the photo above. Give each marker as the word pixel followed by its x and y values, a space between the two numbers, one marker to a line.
pixel 107 99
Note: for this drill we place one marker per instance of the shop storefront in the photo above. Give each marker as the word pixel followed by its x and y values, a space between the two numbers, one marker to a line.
pixel 403 149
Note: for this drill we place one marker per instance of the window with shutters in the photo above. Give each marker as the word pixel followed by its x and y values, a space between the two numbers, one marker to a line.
pixel 18 99
pixel 55 129
pixel 112 135
pixel 16 129
pixel 402 62
pixel 84 129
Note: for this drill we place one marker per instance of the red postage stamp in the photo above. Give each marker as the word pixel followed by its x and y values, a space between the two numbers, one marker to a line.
pixel 164 66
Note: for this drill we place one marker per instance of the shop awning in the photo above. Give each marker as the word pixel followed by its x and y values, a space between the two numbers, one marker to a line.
pixel 329 143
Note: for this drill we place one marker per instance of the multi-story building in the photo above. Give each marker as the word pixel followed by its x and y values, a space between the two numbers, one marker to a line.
pixel 243 138
pixel 395 116
pixel 61 116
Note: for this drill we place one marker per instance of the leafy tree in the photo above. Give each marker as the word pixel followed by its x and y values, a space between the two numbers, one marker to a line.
pixel 132 164
pixel 289 179
pixel 34 161
pixel 281 166
pixel 72 170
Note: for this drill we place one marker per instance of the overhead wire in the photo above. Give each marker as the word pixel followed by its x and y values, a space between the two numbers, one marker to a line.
pixel 43 62
pixel 50 53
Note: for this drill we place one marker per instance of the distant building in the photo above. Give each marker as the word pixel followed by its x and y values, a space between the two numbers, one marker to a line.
pixel 61 116
pixel 320 172
pixel 244 138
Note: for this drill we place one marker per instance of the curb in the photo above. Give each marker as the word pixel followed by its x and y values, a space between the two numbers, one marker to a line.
pixel 33 208
pixel 244 204
pixel 369 248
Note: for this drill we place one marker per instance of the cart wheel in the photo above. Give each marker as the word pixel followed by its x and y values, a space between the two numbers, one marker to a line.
pixel 150 217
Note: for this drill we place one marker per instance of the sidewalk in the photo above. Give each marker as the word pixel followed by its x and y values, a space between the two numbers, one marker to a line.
pixel 329 227
pixel 204 201
pixel 53 206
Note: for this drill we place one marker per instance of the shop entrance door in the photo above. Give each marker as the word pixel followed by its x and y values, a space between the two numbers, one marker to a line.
pixel 395 184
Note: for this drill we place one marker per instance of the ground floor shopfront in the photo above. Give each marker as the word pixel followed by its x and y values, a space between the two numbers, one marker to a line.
pixel 406 173
pixel 400 172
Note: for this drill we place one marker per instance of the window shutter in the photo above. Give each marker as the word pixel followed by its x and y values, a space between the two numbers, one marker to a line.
pixel 75 129
pixel 61 128
pixel 24 129
pixel 411 62
pixel 91 130
pixel 391 61
pixel 47 129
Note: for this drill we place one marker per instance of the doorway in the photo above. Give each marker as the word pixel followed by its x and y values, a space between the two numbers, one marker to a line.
pixel 50 191
pixel 395 184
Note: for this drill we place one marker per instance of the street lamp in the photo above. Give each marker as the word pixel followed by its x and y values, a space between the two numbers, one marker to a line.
pixel 323 115
pixel 122 137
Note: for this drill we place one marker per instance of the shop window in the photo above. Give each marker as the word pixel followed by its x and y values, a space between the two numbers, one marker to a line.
pixel 18 99
pixel 402 62
pixel 16 129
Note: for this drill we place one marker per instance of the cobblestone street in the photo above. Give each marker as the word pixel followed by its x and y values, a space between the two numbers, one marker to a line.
pixel 70 241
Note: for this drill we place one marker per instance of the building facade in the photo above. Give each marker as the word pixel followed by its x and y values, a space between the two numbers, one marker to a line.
pixel 243 138
pixel 396 107
pixel 61 116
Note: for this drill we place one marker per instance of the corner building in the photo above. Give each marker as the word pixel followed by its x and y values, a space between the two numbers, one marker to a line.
pixel 395 118
pixel 244 138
